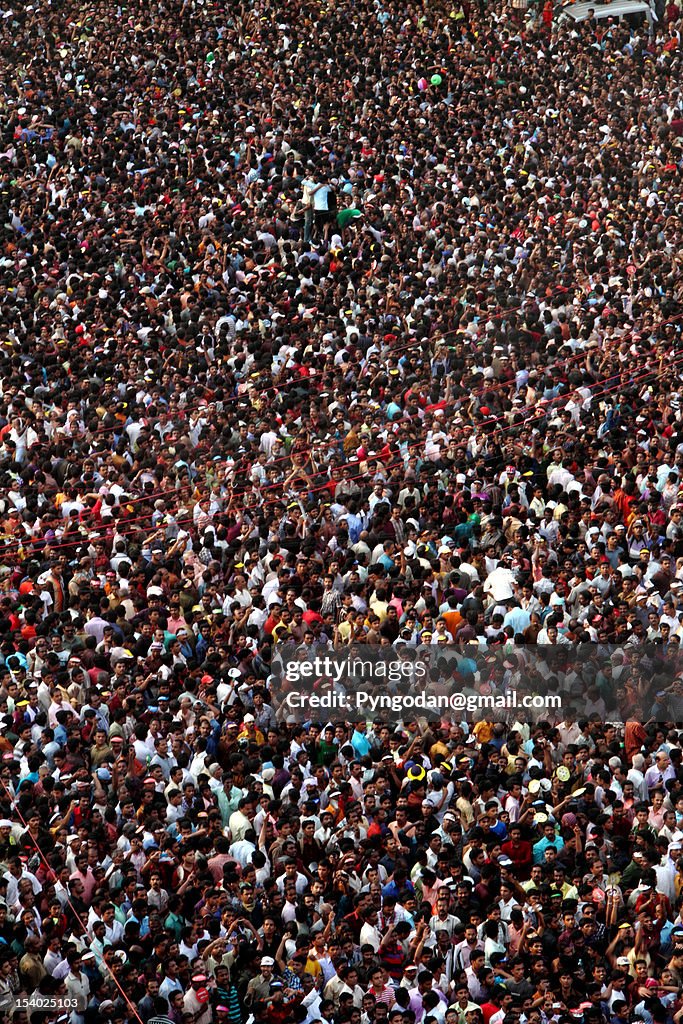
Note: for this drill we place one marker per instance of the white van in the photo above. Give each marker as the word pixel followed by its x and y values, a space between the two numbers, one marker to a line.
pixel 635 12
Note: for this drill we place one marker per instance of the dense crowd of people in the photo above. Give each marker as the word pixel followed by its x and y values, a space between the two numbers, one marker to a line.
pixel 324 325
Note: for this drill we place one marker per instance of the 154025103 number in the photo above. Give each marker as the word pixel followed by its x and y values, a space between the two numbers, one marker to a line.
pixel 38 1002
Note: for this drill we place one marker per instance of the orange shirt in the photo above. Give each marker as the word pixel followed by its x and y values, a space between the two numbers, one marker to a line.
pixel 634 736
pixel 453 620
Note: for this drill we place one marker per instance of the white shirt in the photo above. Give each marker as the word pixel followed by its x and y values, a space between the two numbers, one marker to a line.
pixel 369 934
pixel 506 909
pixel 666 874
pixel 13 885
pixel 78 988
pixel 569 733
pixel 320 203
pixel 113 933
pixel 301 883
pixel 242 851
pixel 639 785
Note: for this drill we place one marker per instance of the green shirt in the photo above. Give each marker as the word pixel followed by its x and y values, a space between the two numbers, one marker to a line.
pixel 345 217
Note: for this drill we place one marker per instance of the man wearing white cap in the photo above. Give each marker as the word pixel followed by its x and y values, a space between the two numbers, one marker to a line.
pixel 259 986
pixel 250 732
pixel 8 843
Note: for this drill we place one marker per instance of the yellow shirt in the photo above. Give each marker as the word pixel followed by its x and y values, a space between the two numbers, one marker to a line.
pixel 439 751
pixel 483 731
pixel 257 736
pixel 380 609
pixel 344 631
pixel 314 968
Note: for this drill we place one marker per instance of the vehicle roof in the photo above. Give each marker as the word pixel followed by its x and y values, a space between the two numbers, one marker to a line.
pixel 579 12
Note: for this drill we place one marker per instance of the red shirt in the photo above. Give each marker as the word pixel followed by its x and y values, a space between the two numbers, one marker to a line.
pixel 269 625
pixel 277 1013
pixel 520 855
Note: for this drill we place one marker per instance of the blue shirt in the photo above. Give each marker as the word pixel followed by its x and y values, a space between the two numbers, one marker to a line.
pixel 360 743
pixel 355 525
pixel 518 619
pixel 542 845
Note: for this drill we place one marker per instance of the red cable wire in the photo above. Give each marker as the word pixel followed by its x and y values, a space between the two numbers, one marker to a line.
pixel 418 444
pixel 499 314
pixel 335 443
pixel 78 917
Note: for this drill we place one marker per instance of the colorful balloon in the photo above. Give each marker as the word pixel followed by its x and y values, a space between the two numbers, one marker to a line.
pixel 436 79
